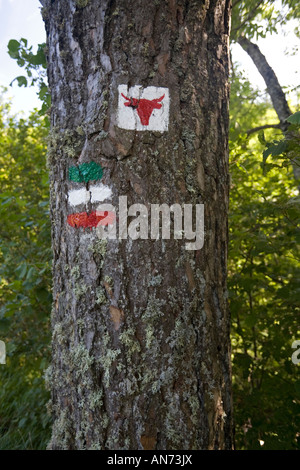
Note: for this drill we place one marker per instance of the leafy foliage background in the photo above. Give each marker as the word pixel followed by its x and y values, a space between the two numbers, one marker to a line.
pixel 264 275
pixel 25 279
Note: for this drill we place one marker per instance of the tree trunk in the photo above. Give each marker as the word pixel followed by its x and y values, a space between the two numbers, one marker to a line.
pixel 141 350
pixel 273 86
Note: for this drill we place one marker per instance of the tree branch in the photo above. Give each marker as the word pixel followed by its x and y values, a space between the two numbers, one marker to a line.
pixel 266 126
pixel 274 89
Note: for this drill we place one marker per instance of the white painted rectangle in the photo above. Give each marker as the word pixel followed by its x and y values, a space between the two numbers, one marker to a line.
pixel 97 193
pixel 78 196
pixel 100 193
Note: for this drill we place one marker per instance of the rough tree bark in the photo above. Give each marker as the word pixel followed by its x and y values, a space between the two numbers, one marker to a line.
pixel 141 351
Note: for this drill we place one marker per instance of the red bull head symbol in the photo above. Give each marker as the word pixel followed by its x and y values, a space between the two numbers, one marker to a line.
pixel 143 107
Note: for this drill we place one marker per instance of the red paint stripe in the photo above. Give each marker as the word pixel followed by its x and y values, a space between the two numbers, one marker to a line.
pixel 83 219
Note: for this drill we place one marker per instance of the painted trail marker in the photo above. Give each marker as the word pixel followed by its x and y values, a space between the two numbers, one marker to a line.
pixel 99 193
pixel 85 173
pixel 143 109
pixel 78 196
pixel 93 219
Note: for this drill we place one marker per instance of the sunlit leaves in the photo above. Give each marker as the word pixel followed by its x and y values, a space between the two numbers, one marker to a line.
pixel 264 276
pixel 35 66
pixel 20 51
pixel 256 18
pixel 25 274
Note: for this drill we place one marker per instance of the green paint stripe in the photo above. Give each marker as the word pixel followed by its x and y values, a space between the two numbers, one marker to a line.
pixel 85 172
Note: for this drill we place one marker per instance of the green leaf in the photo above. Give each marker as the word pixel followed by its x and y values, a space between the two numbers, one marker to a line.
pixel 294 118
pixel 30 274
pixel 22 81
pixel 13 48
pixel 21 62
pixel 43 92
pixel 278 148
pixel 39 58
pixel 21 270
pixel 24 41
pixel 261 137
pixel 35 66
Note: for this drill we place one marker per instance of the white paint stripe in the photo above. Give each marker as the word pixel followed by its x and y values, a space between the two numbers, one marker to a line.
pixel 98 193
pixel 78 196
